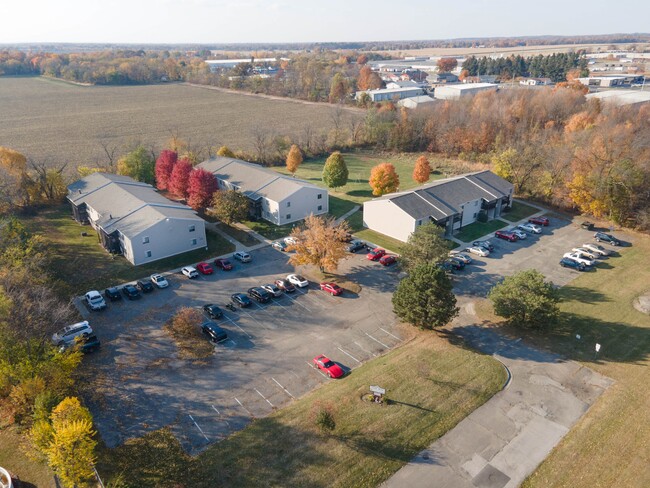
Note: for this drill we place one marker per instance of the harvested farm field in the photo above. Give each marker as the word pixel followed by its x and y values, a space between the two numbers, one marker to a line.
pixel 58 122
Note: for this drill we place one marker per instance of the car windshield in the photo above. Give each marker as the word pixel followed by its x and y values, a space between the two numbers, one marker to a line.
pixel 300 278
pixel 328 364
pixel 95 298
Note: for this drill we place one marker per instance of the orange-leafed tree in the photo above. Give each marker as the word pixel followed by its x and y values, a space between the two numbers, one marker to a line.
pixel 320 241
pixel 445 65
pixel 294 159
pixel 422 170
pixel 368 79
pixel 362 59
pixel 383 179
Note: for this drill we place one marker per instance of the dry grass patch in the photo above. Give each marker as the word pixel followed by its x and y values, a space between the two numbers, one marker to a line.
pixel 184 329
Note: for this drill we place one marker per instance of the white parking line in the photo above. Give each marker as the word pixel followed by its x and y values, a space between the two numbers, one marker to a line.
pixel 311 366
pixel 348 354
pixel 220 415
pixel 267 400
pixel 285 390
pixel 242 406
pixel 364 350
pixel 254 319
pixel 235 324
pixel 298 303
pixel 198 427
pixel 233 342
pixel 377 340
pixel 381 328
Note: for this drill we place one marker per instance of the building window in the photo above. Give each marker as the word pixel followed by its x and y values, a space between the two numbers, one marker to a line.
pixel 147 254
pixel 192 228
pixel 288 216
pixel 475 214
pixel 320 196
pixel 419 222
pixel 193 242
pixel 320 207
pixel 145 240
pixel 288 204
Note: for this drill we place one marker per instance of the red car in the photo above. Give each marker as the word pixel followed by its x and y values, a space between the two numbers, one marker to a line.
pixel 204 268
pixel 329 367
pixel 332 288
pixel 539 221
pixel 376 254
pixel 223 264
pixel 506 235
pixel 387 260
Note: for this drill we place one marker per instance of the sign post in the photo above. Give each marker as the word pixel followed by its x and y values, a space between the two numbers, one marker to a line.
pixel 597 350
pixel 378 393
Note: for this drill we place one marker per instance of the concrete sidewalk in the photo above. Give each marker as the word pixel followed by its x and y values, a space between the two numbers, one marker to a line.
pixel 503 441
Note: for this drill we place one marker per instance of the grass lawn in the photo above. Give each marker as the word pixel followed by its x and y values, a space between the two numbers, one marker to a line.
pixel 14 459
pixel 82 264
pixel 431 385
pixel 240 235
pixel 340 206
pixel 269 230
pixel 473 231
pixel 519 211
pixel 609 446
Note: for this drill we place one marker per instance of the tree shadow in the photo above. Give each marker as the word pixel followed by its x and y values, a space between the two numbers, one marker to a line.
pixel 582 294
pixel 392 401
pixel 360 193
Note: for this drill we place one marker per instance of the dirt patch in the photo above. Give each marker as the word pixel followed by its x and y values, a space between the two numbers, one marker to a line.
pixel 642 303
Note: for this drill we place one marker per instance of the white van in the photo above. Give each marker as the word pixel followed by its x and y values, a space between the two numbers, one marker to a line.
pixel 69 332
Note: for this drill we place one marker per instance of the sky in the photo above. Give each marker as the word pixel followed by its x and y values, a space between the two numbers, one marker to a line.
pixel 245 21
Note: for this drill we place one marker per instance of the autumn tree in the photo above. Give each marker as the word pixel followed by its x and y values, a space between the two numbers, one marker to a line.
pixel 362 59
pixel 229 206
pixel 422 170
pixel 225 152
pixel 368 79
pixel 164 167
pixel 138 164
pixel 14 181
pixel 446 65
pixel 425 297
pixel 383 179
pixel 320 241
pixel 294 159
pixel 339 89
pixel 335 171
pixel 201 186
pixel 180 178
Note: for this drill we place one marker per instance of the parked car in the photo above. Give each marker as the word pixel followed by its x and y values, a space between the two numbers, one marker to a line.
pixel 223 263
pixel 587 225
pixel 297 280
pixel 478 250
pixel 273 289
pixel 285 286
pixel 145 286
pixel 506 235
pixel 259 294
pixel 214 332
pixel 539 221
pixel 356 245
pixel 608 238
pixel 572 263
pixel 240 300
pixel 586 252
pixel 331 288
pixel 446 266
pixel 204 268
pixel 159 280
pixel 465 258
pixel 242 256
pixel 327 366
pixel 279 246
pixel 347 237
pixel 376 254
pixel 95 300
pixel 576 256
pixel 530 228
pixel 484 244
pixel 455 263
pixel 387 260
pixel 70 332
pixel 190 272
pixel 290 241
pixel 597 248
pixel 113 293
pixel 131 292
pixel 519 233
pixel 85 344
pixel 213 311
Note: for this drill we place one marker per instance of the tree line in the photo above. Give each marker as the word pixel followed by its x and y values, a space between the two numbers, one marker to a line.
pixel 554 66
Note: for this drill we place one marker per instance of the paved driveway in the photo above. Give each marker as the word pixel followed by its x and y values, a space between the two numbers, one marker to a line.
pixel 137 382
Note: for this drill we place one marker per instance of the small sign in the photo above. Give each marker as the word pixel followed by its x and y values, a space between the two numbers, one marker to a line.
pixel 578 336
pixel 378 389
pixel 597 347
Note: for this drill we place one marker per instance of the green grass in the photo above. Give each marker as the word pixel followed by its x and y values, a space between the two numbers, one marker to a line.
pixel 518 212
pixel 432 385
pixel 609 446
pixel 239 235
pixel 269 230
pixel 473 231
pixel 14 459
pixel 81 263
pixel 340 206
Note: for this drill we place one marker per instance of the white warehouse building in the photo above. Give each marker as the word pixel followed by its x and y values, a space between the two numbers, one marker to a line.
pixel 389 94
pixel 454 92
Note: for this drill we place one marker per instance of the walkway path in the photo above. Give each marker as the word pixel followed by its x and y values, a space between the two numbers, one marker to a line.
pixel 347 214
pixel 503 441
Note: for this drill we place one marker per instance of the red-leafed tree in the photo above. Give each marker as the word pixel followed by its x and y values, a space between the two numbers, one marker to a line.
pixel 180 178
pixel 164 166
pixel 202 184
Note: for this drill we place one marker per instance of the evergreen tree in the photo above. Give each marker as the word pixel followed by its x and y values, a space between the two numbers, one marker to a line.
pixel 335 171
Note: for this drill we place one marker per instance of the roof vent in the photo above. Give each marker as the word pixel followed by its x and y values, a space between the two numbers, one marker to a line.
pixel 110 216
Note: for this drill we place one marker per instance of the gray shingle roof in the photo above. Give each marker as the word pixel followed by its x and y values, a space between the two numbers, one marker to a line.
pixel 253 180
pixel 125 204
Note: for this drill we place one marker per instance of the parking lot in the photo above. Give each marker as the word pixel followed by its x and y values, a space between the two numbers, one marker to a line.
pixel 139 384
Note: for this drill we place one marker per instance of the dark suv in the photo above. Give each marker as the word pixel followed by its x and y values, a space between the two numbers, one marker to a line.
pixel 356 245
pixel 113 293
pixel 145 286
pixel 259 294
pixel 608 238
pixel 131 292
pixel 214 332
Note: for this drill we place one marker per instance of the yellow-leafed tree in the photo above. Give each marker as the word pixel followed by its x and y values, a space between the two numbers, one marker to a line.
pixel 320 241
pixel 294 159
pixel 383 179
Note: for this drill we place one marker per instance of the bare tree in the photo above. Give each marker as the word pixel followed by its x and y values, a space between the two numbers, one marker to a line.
pixel 307 138
pixel 336 117
pixel 261 136
pixel 109 150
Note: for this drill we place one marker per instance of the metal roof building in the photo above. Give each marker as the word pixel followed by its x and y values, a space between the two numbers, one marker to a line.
pixel 622 97
pixel 454 92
